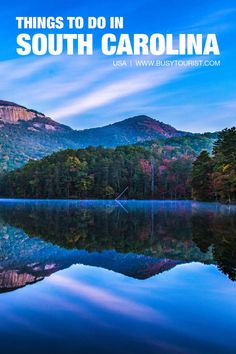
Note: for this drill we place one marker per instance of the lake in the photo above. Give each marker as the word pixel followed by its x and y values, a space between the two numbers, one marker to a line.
pixel 117 277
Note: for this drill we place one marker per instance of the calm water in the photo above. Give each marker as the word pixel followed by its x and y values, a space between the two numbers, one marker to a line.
pixel 108 277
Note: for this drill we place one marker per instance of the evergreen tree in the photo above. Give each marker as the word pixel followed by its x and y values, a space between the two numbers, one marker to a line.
pixel 224 176
pixel 202 187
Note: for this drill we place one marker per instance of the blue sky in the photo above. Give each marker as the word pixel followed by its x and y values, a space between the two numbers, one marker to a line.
pixel 85 92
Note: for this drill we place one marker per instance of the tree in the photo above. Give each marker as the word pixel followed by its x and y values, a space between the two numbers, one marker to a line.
pixel 224 176
pixel 202 187
pixel 225 147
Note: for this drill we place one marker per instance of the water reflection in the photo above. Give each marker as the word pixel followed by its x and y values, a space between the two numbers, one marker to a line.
pixel 138 239
pixel 139 307
pixel 217 231
pixel 91 310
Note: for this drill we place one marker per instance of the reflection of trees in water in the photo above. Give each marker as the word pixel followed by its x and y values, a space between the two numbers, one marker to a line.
pixel 174 231
pixel 163 232
pixel 217 231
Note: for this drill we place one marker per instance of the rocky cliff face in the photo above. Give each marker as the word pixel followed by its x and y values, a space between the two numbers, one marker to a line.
pixel 11 280
pixel 12 113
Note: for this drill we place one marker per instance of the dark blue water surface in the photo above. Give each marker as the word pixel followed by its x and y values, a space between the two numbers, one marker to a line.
pixel 109 277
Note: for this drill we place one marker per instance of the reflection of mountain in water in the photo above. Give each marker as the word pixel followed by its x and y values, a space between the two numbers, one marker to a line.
pixel 139 240
pixel 26 260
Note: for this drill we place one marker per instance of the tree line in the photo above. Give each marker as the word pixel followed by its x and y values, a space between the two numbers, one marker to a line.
pixel 156 171
pixel 102 173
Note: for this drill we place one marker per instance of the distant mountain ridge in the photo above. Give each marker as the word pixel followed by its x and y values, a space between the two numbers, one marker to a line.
pixel 129 131
pixel 27 134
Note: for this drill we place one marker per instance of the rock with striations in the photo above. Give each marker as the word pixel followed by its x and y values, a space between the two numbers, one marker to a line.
pixel 11 112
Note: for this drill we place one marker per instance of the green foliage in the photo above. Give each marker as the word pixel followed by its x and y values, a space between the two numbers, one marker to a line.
pixel 153 170
pixel 201 177
pixel 83 173
pixel 216 176
pixel 225 147
pixel 102 173
pixel 190 144
pixel 42 136
pixel 31 140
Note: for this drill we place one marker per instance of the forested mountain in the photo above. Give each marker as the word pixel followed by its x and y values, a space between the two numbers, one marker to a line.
pixel 129 131
pixel 191 144
pixel 157 171
pixel 158 165
pixel 27 134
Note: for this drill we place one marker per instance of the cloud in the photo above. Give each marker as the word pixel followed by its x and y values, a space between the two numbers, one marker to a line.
pixel 45 80
pixel 77 85
pixel 15 69
pixel 108 93
pixel 89 91
pixel 215 22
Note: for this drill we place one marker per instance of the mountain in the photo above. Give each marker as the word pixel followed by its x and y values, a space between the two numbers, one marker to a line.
pixel 27 134
pixel 138 267
pixel 129 131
